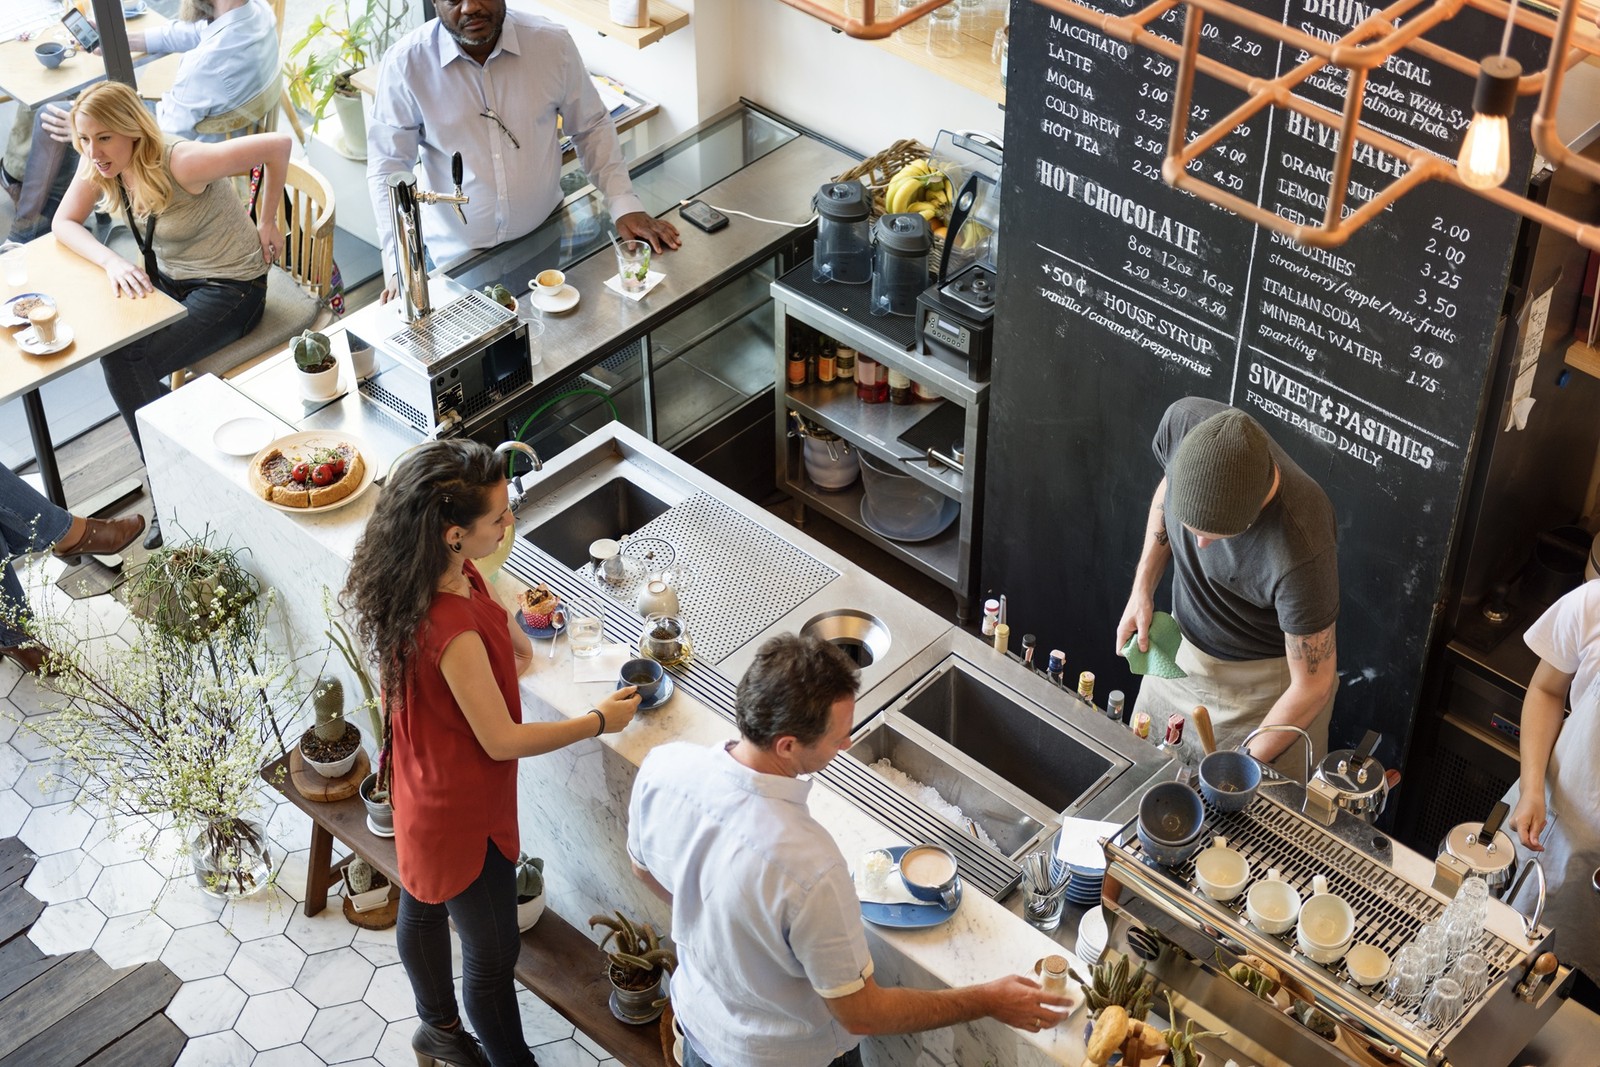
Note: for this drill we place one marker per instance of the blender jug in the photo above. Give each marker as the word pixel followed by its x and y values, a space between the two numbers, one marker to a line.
pixel 844 234
pixel 900 268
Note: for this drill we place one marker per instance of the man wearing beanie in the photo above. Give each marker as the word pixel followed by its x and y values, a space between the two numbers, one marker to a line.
pixel 1255 586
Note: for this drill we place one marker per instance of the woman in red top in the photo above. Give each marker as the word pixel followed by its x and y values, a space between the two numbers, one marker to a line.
pixel 448 657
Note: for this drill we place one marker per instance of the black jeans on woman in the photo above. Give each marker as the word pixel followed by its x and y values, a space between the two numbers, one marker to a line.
pixel 220 312
pixel 691 1058
pixel 485 915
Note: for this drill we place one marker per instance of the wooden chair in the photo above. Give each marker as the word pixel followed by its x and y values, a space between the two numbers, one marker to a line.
pixel 259 114
pixel 299 283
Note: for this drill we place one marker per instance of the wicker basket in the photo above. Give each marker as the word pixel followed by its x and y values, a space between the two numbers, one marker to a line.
pixel 875 171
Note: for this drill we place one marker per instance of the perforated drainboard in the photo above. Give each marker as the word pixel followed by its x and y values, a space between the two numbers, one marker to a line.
pixel 718 550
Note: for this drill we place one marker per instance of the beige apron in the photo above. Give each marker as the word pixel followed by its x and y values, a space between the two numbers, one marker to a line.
pixel 1238 694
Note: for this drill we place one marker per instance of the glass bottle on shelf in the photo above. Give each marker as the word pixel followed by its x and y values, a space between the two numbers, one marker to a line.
pixel 797 368
pixel 899 388
pixel 826 364
pixel 872 383
pixel 844 360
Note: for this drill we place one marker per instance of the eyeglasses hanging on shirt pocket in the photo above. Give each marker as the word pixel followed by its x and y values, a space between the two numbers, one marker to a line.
pixel 489 113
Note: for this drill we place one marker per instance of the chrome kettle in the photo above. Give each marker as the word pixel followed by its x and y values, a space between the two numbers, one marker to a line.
pixel 1351 780
pixel 1481 849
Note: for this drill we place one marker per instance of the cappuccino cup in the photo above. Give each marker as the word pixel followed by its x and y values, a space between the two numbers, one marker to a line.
pixel 43 318
pixel 51 53
pixel 547 283
pixel 1327 924
pixel 1272 904
pixel 645 676
pixel 930 873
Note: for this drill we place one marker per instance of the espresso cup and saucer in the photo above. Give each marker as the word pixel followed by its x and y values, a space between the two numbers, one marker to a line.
pixel 932 875
pixel 649 679
pixel 550 293
pixel 51 53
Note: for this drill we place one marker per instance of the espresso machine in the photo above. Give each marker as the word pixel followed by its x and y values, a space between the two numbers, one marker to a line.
pixel 955 316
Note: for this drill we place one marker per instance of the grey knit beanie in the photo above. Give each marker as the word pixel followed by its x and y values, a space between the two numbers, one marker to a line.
pixel 1221 474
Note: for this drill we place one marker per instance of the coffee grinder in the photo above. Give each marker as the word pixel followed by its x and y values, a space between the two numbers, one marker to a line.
pixel 955 316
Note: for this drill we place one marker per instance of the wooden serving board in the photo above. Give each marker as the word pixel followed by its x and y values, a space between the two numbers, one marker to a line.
pixel 313 786
pixel 378 918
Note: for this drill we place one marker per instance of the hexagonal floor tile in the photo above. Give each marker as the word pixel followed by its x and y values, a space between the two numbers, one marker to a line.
pixel 322 932
pixel 336 977
pixel 206 1006
pixel 394 1047
pixel 184 904
pixel 130 939
pixel 32 695
pixel 47 781
pixel 347 1032
pixel 291 875
pixel 118 840
pixel 277 1018
pixel 55 828
pixel 389 993
pixel 62 876
pixel 266 964
pixel 226 1049
pixel 11 766
pixel 566 1053
pixel 541 1024
pixel 258 915
pixel 28 743
pixel 70 926
pixel 290 828
pixel 289 1056
pixel 377 945
pixel 199 951
pixel 125 888
pixel 14 811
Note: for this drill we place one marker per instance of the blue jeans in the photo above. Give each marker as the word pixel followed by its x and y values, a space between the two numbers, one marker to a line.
pixel 485 915
pixel 220 312
pixel 29 522
pixel 691 1058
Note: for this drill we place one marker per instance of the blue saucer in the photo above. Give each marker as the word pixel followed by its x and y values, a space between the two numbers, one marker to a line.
pixel 540 632
pixel 909 916
pixel 663 694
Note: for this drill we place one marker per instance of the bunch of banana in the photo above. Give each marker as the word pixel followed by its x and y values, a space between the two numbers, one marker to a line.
pixel 918 187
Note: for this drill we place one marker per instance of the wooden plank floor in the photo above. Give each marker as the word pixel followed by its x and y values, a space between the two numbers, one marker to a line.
pixel 73 1010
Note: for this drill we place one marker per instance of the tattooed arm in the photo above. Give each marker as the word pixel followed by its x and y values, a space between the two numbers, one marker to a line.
pixel 1313 676
pixel 1153 559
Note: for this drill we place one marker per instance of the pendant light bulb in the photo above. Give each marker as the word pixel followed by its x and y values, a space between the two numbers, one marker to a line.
pixel 1485 159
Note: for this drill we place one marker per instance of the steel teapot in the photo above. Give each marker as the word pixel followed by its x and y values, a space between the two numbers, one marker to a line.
pixel 1351 780
pixel 1483 849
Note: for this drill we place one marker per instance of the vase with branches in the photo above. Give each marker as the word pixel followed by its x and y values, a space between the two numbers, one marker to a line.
pixel 178 722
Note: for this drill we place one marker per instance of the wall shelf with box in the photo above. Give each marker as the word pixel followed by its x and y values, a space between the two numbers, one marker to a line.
pixel 894 437
pixel 664 19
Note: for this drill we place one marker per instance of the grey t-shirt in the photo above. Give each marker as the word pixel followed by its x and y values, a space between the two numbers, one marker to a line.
pixel 1237 597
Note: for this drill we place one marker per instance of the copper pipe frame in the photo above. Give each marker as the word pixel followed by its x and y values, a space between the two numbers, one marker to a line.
pixel 1357 53
pixel 866 28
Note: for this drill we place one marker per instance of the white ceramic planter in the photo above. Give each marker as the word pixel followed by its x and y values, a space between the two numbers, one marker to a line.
pixel 363 361
pixel 371 900
pixel 336 769
pixel 632 13
pixel 528 914
pixel 320 385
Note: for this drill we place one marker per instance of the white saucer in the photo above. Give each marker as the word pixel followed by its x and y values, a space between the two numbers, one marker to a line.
pixel 28 341
pixel 243 436
pixel 565 300
pixel 138 14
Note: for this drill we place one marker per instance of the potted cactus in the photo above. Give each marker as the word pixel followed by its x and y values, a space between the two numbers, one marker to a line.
pixel 330 745
pixel 367 887
pixel 501 295
pixel 530 890
pixel 319 371
pixel 637 964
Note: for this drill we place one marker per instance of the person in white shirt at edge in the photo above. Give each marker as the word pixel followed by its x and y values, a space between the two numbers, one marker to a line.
pixel 230 54
pixel 491 85
pixel 773 964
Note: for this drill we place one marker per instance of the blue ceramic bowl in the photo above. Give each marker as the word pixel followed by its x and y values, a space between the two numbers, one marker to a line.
pixel 1171 817
pixel 1229 780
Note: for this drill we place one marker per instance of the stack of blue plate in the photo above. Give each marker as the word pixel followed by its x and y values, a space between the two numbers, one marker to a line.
pixel 1086 883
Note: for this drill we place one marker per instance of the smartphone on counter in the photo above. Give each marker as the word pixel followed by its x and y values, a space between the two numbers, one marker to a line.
pixel 82 29
pixel 701 214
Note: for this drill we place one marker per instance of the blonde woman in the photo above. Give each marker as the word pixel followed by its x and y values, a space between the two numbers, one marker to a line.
pixel 199 244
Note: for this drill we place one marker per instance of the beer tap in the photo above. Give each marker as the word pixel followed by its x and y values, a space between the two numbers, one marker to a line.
pixel 411 254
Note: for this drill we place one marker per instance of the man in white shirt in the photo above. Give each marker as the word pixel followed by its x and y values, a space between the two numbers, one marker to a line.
pixel 230 54
pixel 773 964
pixel 491 85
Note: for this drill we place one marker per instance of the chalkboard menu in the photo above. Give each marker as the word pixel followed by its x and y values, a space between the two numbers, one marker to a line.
pixel 1120 294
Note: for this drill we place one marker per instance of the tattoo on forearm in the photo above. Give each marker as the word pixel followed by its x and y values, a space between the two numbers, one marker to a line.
pixel 1159 513
pixel 1313 649
pixel 1160 534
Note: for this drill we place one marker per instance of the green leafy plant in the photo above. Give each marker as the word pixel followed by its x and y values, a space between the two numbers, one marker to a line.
pixel 638 959
pixel 187 590
pixel 339 636
pixel 336 44
pixel 530 877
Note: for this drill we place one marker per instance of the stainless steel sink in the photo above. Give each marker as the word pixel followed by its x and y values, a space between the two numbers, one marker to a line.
pixel 616 507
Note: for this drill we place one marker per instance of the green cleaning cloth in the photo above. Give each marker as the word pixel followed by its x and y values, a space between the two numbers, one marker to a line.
pixel 1162 659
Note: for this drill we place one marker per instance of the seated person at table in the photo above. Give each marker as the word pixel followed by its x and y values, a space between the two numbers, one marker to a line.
pixel 29 522
pixel 491 86
pixel 230 54
pixel 200 246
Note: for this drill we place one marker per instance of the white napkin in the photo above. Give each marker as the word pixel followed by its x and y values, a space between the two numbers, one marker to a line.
pixel 606 667
pixel 894 891
pixel 1079 842
pixel 651 280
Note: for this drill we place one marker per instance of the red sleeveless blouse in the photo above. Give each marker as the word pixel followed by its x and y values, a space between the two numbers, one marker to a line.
pixel 449 796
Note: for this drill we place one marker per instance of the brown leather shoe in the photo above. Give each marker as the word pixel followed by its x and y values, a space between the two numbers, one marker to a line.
pixel 29 657
pixel 101 537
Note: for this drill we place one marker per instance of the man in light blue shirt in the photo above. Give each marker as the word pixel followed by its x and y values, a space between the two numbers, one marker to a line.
pixel 491 85
pixel 773 964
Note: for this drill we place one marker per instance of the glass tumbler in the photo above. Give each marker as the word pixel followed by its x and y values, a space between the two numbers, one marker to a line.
pixel 535 336
pixel 912 33
pixel 586 628
pixel 1472 971
pixel 1461 929
pixel 1431 948
pixel 633 264
pixel 944 31
pixel 1407 978
pixel 1443 1004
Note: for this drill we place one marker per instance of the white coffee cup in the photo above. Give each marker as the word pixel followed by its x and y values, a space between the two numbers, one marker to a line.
pixel 1367 964
pixel 547 284
pixel 1272 904
pixel 1327 924
pixel 1221 871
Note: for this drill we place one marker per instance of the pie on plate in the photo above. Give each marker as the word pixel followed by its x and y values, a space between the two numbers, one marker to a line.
pixel 307 475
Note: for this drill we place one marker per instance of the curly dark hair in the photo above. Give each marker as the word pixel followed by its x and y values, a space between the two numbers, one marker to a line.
pixel 790 689
pixel 401 555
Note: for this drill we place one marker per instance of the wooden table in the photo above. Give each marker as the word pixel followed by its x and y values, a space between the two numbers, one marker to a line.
pixel 562 966
pixel 32 83
pixel 101 323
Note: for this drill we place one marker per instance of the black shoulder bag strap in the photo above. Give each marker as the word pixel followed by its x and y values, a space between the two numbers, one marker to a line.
pixel 146 243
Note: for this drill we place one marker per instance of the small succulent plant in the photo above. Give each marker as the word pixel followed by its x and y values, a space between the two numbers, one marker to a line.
pixel 358 873
pixel 500 295
pixel 312 352
pixel 530 877
pixel 638 958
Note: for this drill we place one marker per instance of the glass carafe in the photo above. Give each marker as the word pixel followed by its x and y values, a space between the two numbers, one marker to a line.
pixel 900 268
pixel 844 234
pixel 665 639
